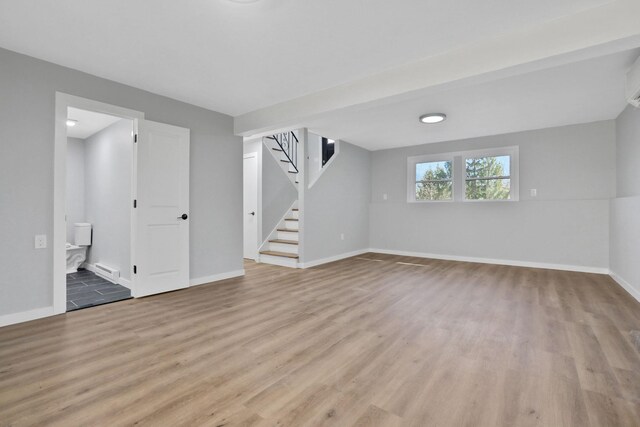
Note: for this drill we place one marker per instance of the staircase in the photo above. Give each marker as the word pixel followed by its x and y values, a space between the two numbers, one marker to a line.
pixel 282 246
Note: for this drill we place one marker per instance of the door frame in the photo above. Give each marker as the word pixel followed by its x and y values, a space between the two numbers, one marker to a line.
pixel 64 101
pixel 258 156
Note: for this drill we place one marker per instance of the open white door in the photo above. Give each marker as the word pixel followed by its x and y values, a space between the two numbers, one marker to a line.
pixel 250 203
pixel 161 247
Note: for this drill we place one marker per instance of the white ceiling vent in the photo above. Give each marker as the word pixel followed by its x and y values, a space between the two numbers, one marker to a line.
pixel 633 84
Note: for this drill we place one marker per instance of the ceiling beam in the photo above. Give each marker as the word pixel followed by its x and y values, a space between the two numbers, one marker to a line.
pixel 595 32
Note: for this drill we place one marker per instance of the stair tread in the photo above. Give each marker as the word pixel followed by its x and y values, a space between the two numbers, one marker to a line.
pixel 286 242
pixel 290 230
pixel 276 149
pixel 280 254
pixel 291 219
pixel 295 209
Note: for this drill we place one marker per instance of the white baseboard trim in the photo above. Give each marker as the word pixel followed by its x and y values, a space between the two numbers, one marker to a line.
pixel 626 285
pixel 332 258
pixel 549 266
pixel 124 282
pixel 216 277
pixel 25 316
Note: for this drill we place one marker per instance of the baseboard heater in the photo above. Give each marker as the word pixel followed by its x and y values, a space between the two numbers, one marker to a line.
pixel 107 272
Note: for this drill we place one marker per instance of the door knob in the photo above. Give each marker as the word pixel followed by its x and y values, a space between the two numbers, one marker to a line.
pixel 183 216
pixel 252 213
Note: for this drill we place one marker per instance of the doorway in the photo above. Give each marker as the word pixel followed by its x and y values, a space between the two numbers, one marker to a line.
pixel 99 168
pixel 157 205
pixel 250 205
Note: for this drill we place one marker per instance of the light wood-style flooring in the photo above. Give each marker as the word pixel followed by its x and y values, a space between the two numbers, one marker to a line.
pixel 375 340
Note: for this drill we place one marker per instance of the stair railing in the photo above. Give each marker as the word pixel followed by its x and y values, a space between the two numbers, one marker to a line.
pixel 288 143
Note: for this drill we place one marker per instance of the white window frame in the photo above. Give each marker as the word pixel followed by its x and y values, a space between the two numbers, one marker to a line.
pixel 459 173
pixel 411 176
pixel 512 152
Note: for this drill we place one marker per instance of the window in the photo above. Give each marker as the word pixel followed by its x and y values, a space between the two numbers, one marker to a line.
pixel 328 149
pixel 431 178
pixel 482 175
pixel 434 181
pixel 487 178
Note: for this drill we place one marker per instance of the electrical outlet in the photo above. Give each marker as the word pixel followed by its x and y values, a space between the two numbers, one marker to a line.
pixel 41 241
pixel 342 236
pixel 534 192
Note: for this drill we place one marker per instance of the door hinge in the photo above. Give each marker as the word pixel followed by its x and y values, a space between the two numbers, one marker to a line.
pixel 135 138
pixel 135 269
pixel 135 203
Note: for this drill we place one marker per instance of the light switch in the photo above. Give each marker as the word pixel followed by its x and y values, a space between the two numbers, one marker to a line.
pixel 342 236
pixel 534 192
pixel 384 196
pixel 41 241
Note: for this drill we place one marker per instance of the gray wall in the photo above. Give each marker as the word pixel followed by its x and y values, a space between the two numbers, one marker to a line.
pixel 278 193
pixel 252 146
pixel 27 91
pixel 314 153
pixel 568 223
pixel 338 203
pixel 108 164
pixel 628 153
pixel 75 185
pixel 625 208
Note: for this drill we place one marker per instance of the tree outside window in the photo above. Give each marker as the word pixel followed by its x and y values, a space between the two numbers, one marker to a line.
pixel 480 175
pixel 434 181
pixel 488 178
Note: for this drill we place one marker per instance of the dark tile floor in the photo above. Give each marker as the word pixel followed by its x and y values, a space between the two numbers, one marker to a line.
pixel 85 289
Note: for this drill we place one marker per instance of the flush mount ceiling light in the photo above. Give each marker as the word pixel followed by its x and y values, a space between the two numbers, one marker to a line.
pixel 244 1
pixel 433 118
pixel 71 123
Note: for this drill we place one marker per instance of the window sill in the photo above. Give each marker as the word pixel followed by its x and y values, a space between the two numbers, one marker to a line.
pixel 490 201
pixel 461 201
pixel 430 201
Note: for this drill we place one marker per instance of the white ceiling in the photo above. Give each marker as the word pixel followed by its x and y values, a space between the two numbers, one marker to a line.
pixel 580 92
pixel 235 58
pixel 89 122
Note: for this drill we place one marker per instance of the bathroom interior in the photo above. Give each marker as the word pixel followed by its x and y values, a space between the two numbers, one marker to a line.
pixel 98 208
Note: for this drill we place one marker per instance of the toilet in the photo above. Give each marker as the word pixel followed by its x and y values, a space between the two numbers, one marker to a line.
pixel 77 252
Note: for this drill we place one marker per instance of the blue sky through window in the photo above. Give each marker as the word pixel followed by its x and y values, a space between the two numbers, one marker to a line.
pixel 422 168
pixel 504 161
